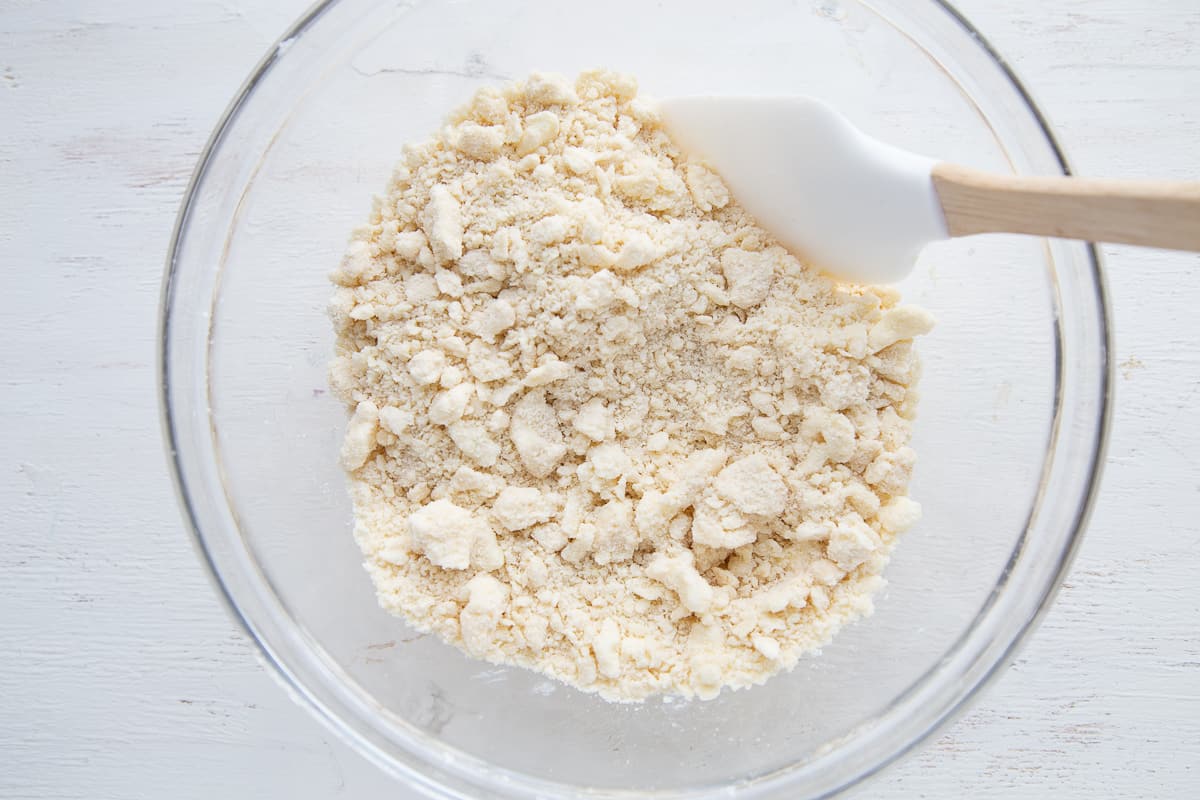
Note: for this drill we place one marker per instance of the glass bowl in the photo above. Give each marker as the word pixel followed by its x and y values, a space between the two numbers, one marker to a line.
pixel 1010 436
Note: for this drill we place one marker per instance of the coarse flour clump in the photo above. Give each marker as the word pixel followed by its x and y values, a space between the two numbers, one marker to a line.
pixel 603 426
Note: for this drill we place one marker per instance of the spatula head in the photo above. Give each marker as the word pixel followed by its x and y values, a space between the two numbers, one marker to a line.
pixel 837 198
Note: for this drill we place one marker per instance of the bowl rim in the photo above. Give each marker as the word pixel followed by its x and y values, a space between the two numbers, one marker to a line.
pixel 761 787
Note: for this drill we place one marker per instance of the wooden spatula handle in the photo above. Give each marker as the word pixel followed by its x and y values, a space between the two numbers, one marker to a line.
pixel 1152 213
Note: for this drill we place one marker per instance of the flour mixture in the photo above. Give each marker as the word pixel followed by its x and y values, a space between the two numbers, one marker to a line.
pixel 602 425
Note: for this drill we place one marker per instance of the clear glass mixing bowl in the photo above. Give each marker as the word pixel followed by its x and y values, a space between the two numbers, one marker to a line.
pixel 1011 429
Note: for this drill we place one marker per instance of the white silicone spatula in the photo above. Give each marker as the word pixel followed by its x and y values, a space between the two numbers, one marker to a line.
pixel 863 210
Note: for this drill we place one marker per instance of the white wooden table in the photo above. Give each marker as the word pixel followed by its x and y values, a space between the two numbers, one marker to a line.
pixel 122 676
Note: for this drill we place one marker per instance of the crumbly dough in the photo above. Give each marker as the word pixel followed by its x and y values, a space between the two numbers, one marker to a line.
pixel 602 426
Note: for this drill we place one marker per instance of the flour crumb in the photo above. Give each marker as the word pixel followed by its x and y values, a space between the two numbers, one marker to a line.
pixel 600 424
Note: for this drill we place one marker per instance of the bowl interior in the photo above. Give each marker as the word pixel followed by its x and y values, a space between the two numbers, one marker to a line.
pixel 295 170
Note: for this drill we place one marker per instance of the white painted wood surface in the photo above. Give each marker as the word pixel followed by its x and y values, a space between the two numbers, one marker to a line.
pixel 122 676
